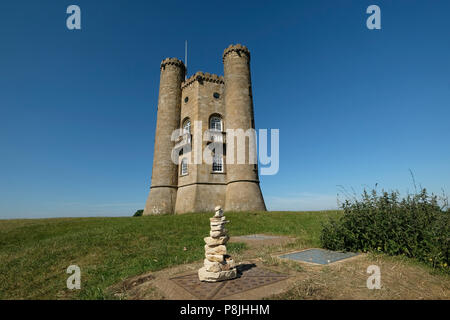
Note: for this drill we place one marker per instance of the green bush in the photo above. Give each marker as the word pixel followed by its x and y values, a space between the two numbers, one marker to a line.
pixel 415 226
pixel 138 213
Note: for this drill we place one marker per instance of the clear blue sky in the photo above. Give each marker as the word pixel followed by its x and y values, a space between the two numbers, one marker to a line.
pixel 354 107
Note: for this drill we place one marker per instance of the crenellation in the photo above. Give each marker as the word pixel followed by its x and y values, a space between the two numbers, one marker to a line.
pixel 174 62
pixel 198 100
pixel 236 48
pixel 200 76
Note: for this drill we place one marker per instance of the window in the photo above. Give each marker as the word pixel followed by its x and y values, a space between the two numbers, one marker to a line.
pixel 186 99
pixel 184 167
pixel 187 126
pixel 216 95
pixel 217 163
pixel 215 123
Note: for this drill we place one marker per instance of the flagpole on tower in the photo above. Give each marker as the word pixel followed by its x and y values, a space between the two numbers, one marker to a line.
pixel 185 57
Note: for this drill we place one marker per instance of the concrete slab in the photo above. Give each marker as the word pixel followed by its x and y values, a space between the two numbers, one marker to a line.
pixel 318 256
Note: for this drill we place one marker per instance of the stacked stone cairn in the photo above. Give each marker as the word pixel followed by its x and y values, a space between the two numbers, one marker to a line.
pixel 218 266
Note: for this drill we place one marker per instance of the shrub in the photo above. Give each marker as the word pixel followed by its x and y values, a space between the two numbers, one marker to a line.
pixel 415 226
pixel 138 213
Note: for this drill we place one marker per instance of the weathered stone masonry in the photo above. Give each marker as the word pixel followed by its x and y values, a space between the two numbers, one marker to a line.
pixel 203 97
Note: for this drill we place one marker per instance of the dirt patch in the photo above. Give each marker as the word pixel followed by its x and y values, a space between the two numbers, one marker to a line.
pixel 134 282
pixel 137 288
pixel 346 279
pixel 250 277
pixel 165 284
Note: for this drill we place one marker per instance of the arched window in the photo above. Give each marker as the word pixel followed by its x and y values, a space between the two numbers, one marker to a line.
pixel 184 167
pixel 215 123
pixel 187 126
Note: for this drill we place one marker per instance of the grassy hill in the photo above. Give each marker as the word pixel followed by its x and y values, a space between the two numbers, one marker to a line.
pixel 34 254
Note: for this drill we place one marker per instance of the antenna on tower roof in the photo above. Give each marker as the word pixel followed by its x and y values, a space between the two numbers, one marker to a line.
pixel 185 58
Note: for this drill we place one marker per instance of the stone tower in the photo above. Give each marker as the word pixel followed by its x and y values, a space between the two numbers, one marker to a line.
pixel 163 191
pixel 203 107
pixel 243 192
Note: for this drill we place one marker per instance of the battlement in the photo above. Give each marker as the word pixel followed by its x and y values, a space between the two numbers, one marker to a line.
pixel 172 61
pixel 213 104
pixel 236 48
pixel 200 76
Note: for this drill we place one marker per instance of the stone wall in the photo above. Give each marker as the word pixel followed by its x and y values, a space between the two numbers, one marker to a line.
pixel 164 173
pixel 243 192
pixel 198 98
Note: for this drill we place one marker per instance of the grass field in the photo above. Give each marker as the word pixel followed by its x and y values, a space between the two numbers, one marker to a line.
pixel 34 254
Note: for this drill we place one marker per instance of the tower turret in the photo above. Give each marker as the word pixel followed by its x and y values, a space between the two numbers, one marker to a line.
pixel 163 189
pixel 242 192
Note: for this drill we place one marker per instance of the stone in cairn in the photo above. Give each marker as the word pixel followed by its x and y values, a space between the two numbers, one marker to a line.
pixel 218 266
